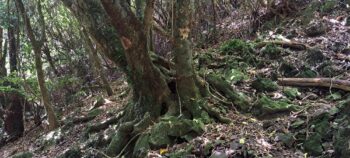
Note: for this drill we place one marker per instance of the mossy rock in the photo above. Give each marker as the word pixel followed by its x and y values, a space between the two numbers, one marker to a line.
pixel 23 155
pixel 328 6
pixel 321 125
pixel 334 96
pixel 314 56
pixel 94 112
pixel 287 139
pixel 329 69
pixel 291 93
pixel 181 152
pixel 309 13
pixel 235 75
pixel 306 72
pixel 288 69
pixel 142 146
pixel 173 127
pixel 272 51
pixel 313 145
pixel 73 152
pixel 315 29
pixel 98 102
pixel 341 142
pixel 236 46
pixel 241 49
pixel 265 107
pixel 264 85
pixel 342 134
pixel 347 22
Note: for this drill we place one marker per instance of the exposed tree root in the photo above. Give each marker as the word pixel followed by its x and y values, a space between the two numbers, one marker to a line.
pixel 316 82
pixel 239 99
pixel 104 125
pixel 79 120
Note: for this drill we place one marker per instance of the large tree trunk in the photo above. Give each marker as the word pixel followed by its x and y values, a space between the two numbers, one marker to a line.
pixel 12 46
pixel 37 44
pixel 185 75
pixel 13 120
pixel 3 53
pixel 149 85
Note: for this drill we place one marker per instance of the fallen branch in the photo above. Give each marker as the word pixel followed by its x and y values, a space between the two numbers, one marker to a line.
pixel 316 82
pixel 284 44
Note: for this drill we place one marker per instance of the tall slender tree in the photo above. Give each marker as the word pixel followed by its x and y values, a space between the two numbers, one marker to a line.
pixel 37 44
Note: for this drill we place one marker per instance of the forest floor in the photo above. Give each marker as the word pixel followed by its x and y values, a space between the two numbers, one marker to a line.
pixel 277 134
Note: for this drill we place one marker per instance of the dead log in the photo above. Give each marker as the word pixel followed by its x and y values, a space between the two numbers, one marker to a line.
pixel 316 82
pixel 284 44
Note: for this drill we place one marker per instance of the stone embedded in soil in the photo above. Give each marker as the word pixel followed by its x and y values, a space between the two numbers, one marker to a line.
pixel 315 29
pixel 288 69
pixel 314 56
pixel 23 155
pixel 286 138
pixel 347 22
pixel 73 152
pixel 313 145
pixel 291 93
pixel 264 85
pixel 265 106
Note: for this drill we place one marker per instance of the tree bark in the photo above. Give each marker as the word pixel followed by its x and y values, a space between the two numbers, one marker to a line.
pixel 3 53
pixel 12 46
pixel 185 75
pixel 100 29
pixel 149 85
pixel 37 44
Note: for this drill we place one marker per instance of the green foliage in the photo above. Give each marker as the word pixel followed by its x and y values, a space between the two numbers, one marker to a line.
pixel 234 46
pixel 328 6
pixel 241 50
pixel 267 107
pixel 23 155
pixel 291 93
pixel 235 75
pixel 272 51
pixel 264 84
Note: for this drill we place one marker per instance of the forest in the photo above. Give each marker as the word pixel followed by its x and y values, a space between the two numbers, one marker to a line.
pixel 175 78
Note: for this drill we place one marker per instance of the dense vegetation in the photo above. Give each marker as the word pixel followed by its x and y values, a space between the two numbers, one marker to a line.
pixel 174 78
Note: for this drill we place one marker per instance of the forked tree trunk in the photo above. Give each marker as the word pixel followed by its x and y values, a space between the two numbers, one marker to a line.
pixel 149 85
pixel 37 44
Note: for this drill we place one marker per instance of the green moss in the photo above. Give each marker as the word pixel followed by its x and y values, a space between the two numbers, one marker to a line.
pixel 23 155
pixel 243 50
pixel 265 106
pixel 272 51
pixel 182 152
pixel 235 75
pixel 235 45
pixel 173 127
pixel 306 72
pixel 264 85
pixel 334 96
pixel 291 93
pixel 328 6
pixel 141 146
pixel 71 153
pixel 313 145
pixel 95 112
pixel 288 69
